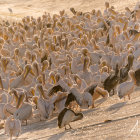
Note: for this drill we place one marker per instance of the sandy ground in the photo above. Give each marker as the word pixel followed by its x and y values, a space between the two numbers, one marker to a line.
pixel 125 116
pixel 124 124
pixel 35 8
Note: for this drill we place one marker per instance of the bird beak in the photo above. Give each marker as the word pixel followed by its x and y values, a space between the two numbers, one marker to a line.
pixel 5 63
pixel 20 99
pixel 42 91
pixel 31 71
pixel 33 92
pixel 43 68
pixel 53 79
pixel 15 95
pixel 27 70
pixel 35 100
pixel 1 83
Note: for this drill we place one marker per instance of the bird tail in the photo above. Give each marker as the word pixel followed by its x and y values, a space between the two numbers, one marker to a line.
pixel 78 116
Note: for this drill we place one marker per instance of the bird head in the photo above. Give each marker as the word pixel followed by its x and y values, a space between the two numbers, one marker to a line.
pixel 27 70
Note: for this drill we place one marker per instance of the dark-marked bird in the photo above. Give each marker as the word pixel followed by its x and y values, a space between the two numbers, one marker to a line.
pixel 96 92
pixel 124 71
pixel 66 116
pixel 59 86
pixel 84 100
pixel 111 81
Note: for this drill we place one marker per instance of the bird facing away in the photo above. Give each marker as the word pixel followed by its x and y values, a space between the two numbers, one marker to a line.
pixel 12 127
pixel 66 116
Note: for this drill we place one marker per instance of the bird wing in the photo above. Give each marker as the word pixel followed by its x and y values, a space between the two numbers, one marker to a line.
pixel 42 107
pixel 61 115
pixel 137 76
pixel 124 88
pixel 91 89
pixel 55 89
pixel 110 82
pixel 23 112
pixel 69 99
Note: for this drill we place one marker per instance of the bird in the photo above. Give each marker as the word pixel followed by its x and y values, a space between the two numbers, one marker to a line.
pixel 84 100
pixel 126 88
pixel 12 126
pixel 10 10
pixel 44 106
pixel 59 86
pixel 112 80
pixel 24 109
pixel 66 116
pixel 124 71
pixel 18 81
pixel 96 92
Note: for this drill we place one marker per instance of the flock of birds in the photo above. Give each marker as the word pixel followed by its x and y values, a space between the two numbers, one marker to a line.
pixel 59 65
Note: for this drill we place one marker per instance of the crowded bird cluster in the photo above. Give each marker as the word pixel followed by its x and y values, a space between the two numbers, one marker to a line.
pixel 58 65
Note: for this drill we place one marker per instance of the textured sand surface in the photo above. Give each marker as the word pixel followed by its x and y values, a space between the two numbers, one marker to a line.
pixel 124 124
pixel 23 8
pixel 125 116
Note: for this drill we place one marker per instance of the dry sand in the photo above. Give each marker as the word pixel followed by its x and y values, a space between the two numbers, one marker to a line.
pixel 125 116
pixel 35 8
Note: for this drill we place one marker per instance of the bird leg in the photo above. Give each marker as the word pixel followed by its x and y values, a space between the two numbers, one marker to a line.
pixel 93 106
pixel 113 91
pixel 11 134
pixel 26 122
pixel 128 96
pixel 70 126
pixel 66 128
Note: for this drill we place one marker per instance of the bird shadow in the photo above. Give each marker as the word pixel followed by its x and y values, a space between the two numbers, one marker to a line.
pixel 116 107
pixel 41 125
pixel 100 101
pixel 57 136
pixel 89 110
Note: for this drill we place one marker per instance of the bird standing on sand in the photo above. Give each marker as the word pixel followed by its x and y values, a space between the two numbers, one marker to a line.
pixel 12 127
pixel 66 116
pixel 10 10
